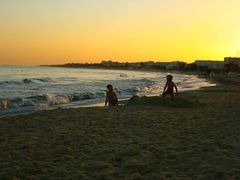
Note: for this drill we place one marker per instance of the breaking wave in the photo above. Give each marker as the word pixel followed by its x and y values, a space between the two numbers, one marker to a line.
pixel 46 100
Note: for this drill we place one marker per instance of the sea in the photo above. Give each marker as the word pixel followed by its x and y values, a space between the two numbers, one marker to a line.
pixel 29 89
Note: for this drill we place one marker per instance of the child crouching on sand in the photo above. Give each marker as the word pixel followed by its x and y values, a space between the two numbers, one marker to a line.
pixel 169 87
pixel 111 97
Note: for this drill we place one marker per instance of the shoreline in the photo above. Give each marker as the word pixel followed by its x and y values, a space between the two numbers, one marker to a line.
pixel 86 103
pixel 97 104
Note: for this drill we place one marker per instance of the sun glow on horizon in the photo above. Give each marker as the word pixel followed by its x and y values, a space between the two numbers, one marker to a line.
pixel 58 31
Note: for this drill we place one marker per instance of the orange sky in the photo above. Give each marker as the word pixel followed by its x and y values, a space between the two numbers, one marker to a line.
pixel 60 31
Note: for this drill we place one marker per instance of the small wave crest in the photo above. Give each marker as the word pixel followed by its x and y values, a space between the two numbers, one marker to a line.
pixel 45 80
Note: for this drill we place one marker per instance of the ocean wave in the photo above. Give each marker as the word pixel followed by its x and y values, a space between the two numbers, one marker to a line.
pixel 87 95
pixel 5 83
pixel 50 99
pixel 28 81
pixel 46 100
pixel 194 83
pixel 45 80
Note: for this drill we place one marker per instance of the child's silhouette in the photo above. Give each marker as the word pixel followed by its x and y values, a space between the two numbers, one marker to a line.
pixel 169 87
pixel 111 97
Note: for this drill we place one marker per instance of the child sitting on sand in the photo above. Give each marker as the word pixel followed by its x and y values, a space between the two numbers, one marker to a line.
pixel 111 97
pixel 169 87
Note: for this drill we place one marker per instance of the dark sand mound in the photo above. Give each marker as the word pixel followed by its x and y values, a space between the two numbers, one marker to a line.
pixel 166 102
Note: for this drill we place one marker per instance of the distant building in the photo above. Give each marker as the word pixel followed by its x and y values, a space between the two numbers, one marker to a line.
pixel 232 60
pixel 216 64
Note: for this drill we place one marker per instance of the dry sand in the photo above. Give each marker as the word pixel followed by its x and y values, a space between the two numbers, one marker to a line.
pixel 196 136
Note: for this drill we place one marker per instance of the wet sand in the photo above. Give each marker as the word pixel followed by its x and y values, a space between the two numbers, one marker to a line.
pixel 196 136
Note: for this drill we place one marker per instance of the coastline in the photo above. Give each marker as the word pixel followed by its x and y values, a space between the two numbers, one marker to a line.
pixel 196 137
pixel 179 71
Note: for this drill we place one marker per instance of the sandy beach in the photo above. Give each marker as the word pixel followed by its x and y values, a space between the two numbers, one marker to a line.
pixel 196 136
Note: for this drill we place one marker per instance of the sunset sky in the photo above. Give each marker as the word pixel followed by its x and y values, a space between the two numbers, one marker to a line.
pixel 34 32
